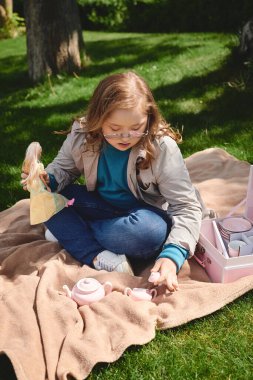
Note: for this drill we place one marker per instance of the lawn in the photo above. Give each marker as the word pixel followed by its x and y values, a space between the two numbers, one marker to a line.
pixel 204 91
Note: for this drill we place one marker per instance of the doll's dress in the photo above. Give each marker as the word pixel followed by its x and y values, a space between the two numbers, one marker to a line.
pixel 43 203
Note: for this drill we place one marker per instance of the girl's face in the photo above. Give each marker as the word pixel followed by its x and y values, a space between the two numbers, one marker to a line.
pixel 124 128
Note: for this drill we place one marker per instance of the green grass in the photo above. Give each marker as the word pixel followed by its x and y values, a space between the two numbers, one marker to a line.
pixel 201 88
pixel 216 347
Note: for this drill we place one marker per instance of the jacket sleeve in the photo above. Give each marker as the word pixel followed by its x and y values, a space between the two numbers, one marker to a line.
pixel 176 187
pixel 63 167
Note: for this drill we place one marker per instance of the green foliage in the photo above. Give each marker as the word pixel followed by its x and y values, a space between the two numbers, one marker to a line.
pixel 107 14
pixel 12 27
pixel 166 15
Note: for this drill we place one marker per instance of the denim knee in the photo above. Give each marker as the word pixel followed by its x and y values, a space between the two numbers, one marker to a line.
pixel 140 233
pixel 148 228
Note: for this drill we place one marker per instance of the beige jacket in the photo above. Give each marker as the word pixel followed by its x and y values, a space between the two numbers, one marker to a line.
pixel 166 184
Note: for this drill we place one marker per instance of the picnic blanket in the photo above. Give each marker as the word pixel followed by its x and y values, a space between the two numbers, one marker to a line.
pixel 46 336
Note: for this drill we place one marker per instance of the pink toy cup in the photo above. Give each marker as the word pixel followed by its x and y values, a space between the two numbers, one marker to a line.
pixel 154 276
pixel 234 247
pixel 140 294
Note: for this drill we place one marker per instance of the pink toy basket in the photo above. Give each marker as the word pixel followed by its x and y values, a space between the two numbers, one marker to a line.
pixel 212 250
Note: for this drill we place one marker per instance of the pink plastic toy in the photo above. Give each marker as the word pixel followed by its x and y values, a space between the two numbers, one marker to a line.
pixel 154 276
pixel 88 290
pixel 140 294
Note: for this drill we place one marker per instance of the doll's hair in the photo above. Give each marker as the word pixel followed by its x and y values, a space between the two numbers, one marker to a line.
pixel 31 163
pixel 125 91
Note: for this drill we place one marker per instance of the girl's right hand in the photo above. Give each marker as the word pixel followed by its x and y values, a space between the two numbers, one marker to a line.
pixel 168 273
pixel 23 177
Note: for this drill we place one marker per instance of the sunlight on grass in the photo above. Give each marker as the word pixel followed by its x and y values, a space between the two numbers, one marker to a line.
pixel 216 347
pixel 198 104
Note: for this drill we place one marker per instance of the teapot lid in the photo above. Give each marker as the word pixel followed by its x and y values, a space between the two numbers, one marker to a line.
pixel 88 285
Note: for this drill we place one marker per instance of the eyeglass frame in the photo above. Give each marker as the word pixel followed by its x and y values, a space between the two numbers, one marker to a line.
pixel 131 134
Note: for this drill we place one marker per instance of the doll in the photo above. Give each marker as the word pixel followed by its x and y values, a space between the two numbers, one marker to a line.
pixel 43 203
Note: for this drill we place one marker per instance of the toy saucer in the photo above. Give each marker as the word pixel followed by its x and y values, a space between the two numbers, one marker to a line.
pixel 236 224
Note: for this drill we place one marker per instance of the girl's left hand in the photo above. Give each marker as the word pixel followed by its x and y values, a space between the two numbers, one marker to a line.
pixel 168 273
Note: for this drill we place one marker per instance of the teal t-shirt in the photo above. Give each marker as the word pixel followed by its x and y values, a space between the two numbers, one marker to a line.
pixel 112 177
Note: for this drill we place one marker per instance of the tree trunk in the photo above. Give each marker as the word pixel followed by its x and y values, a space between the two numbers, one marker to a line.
pixel 54 37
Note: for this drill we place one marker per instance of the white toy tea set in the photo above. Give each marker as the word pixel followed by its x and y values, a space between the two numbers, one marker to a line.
pixel 237 236
pixel 89 290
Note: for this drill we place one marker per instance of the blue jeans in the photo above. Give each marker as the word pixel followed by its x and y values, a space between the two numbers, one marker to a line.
pixel 92 225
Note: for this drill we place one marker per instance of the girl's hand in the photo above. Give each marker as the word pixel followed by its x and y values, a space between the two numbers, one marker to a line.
pixel 168 273
pixel 44 177
pixel 23 178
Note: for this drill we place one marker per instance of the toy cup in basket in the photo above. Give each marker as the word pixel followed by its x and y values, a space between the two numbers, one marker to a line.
pixel 43 203
pixel 88 290
pixel 225 246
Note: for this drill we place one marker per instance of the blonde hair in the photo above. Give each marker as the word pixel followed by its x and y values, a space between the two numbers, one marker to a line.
pixel 31 164
pixel 124 91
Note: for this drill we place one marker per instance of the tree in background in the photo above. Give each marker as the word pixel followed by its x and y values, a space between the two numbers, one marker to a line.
pixel 54 37
pixel 11 24
pixel 6 8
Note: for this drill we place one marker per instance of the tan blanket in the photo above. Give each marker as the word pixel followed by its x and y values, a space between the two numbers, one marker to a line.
pixel 43 332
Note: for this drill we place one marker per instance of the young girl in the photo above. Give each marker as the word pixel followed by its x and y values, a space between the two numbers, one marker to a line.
pixel 138 200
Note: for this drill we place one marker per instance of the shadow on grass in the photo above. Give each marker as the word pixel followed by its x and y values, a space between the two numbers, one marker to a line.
pixel 13 75
pixel 26 124
pixel 121 54
pixel 107 57
pixel 33 123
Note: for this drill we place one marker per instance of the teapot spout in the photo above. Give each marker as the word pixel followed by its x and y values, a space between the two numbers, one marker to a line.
pixel 67 290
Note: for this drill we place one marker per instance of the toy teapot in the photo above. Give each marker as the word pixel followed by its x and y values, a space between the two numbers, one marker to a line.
pixel 140 294
pixel 88 290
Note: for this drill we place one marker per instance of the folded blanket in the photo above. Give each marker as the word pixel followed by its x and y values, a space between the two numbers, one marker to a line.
pixel 46 336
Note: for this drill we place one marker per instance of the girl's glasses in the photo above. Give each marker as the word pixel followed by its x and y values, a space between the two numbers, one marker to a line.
pixel 131 134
